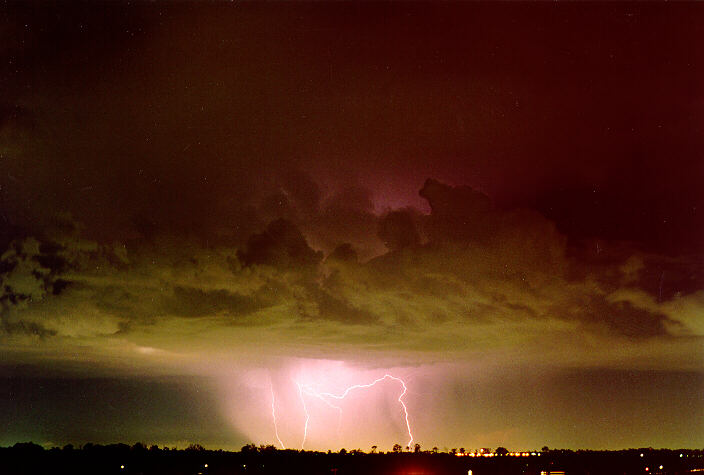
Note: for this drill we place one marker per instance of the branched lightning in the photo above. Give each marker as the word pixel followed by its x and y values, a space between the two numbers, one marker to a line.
pixel 305 390
pixel 364 386
pixel 273 415
pixel 309 391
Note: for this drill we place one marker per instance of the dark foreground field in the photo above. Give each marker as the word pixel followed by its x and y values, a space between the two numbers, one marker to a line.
pixel 121 459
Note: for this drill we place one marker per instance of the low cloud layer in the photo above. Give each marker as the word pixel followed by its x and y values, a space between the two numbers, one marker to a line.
pixel 468 281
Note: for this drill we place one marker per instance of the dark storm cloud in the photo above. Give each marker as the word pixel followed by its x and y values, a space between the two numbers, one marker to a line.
pixel 667 278
pixel 280 245
pixel 26 328
pixel 504 276
pixel 518 239
pixel 345 252
pixel 213 156
pixel 327 306
pixel 461 214
pixel 192 188
pixel 137 161
pixel 397 230
pixel 30 270
pixel 347 216
pixel 194 302
pixel 621 318
pixel 138 119
pixel 304 192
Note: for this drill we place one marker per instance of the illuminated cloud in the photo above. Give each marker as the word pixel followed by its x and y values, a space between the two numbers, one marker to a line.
pixel 228 193
pixel 482 281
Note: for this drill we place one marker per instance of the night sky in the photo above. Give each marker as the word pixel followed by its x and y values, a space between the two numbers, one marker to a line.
pixel 213 215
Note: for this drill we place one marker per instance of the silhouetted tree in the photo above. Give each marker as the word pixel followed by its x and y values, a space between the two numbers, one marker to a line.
pixel 374 447
pixel 501 451
pixel 29 448
pixel 416 448
pixel 139 447
pixel 249 449
pixel 397 449
pixel 435 450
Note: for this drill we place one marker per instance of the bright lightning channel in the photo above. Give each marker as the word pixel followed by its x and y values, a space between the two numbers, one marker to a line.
pixel 273 415
pixel 305 409
pixel 322 396
pixel 310 392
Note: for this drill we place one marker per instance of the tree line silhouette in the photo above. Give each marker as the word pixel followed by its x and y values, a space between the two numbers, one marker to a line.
pixel 139 459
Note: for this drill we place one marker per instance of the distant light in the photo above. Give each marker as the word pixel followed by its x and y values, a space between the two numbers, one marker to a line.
pixel 206 465
pixel 641 455
pixel 647 469
pixel 469 472
pixel 680 455
pixel 660 467
pixel 122 467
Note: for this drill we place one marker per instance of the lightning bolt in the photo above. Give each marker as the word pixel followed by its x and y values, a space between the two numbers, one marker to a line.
pixel 308 391
pixel 365 386
pixel 305 409
pixel 273 415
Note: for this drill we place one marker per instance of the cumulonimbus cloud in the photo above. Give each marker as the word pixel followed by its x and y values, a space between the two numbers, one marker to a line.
pixel 466 278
